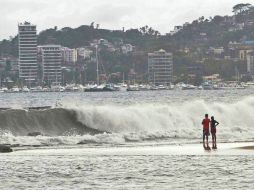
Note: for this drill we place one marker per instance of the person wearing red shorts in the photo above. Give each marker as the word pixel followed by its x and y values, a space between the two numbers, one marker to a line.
pixel 206 123
pixel 214 124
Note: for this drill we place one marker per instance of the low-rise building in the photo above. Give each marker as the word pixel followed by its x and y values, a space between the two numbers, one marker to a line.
pixel 127 48
pixel 218 51
pixel 103 42
pixel 84 53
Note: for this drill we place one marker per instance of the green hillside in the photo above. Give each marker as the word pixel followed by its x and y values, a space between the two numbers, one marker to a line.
pixel 196 37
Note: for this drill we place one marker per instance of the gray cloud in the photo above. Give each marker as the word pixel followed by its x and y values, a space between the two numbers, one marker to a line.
pixel 114 14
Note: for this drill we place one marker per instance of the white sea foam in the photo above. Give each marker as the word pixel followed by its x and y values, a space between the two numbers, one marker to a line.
pixel 137 123
pixel 103 138
pixel 181 120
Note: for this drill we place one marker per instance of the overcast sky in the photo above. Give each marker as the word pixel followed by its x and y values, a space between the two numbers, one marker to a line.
pixel 162 15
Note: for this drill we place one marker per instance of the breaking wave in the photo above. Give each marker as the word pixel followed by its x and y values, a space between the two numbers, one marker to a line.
pixel 113 123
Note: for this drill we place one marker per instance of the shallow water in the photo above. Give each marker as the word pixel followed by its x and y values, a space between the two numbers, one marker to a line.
pixel 143 167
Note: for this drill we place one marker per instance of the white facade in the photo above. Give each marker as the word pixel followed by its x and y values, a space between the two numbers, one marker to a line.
pixel 84 52
pixel 160 67
pixel 218 51
pixel 127 48
pixel 103 42
pixel 69 55
pixel 51 63
pixel 28 67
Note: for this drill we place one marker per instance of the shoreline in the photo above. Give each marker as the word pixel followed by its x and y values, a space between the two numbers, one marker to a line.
pixel 145 149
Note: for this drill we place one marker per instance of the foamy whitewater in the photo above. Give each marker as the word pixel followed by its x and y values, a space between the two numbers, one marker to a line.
pixel 90 132
pixel 79 121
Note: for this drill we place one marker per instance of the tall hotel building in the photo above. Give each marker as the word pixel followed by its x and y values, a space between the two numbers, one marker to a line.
pixel 51 58
pixel 160 67
pixel 28 67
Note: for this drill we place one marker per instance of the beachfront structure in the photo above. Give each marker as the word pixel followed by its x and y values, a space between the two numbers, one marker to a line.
pixel 160 68
pixel 250 63
pixel 51 59
pixel 28 67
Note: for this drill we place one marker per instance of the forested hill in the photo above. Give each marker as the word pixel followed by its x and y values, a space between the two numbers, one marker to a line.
pixel 216 31
pixel 83 35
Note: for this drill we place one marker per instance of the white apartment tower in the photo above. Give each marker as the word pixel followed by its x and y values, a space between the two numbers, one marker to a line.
pixel 160 67
pixel 51 59
pixel 28 67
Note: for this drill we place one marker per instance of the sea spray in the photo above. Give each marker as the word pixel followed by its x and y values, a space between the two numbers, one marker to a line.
pixel 114 123
pixel 181 120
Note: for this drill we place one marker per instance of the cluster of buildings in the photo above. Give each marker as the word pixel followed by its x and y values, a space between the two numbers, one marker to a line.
pixel 240 51
pixel 53 58
pixel 116 47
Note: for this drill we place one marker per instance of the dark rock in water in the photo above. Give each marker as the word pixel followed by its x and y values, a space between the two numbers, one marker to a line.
pixel 36 145
pixel 86 142
pixel 34 134
pixel 5 149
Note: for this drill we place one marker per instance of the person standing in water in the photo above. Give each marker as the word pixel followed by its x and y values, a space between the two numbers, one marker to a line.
pixel 206 123
pixel 213 124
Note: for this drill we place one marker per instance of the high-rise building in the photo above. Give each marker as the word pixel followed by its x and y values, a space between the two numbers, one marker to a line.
pixel 51 59
pixel 28 67
pixel 160 67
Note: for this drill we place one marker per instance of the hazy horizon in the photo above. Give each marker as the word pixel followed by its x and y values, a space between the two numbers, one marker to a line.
pixel 110 14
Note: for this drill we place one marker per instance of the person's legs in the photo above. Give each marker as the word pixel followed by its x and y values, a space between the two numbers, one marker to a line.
pixel 207 144
pixel 215 143
pixel 203 138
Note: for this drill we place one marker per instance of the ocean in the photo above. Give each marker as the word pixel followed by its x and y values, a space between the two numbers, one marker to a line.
pixel 126 140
